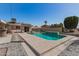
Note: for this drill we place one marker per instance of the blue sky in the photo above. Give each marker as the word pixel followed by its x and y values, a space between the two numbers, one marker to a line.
pixel 37 13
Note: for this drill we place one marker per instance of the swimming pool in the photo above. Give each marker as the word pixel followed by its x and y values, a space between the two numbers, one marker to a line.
pixel 49 35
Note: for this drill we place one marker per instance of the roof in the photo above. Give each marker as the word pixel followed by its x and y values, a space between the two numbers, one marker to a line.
pixel 19 24
pixel 28 25
pixel 2 21
pixel 36 27
pixel 15 24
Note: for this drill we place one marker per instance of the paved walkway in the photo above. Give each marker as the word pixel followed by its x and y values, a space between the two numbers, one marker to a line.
pixel 5 39
pixel 13 47
pixel 16 38
pixel 71 50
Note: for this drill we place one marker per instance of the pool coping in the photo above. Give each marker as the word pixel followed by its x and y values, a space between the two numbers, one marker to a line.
pixel 39 47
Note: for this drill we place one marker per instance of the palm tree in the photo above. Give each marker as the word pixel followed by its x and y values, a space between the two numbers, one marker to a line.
pixel 13 20
pixel 45 22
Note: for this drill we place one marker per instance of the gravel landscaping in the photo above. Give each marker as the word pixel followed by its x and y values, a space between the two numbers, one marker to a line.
pixel 71 50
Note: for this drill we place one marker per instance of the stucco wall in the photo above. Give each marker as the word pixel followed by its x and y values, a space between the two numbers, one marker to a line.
pixel 57 29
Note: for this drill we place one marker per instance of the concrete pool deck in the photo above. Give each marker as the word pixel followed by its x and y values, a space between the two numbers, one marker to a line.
pixel 43 47
pixel 23 44
pixel 6 39
pixel 13 47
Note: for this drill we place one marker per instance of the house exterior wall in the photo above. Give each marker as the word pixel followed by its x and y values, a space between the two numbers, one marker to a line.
pixel 17 28
pixel 12 26
pixel 2 29
pixel 2 26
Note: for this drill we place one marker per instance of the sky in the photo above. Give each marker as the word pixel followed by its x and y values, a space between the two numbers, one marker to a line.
pixel 37 13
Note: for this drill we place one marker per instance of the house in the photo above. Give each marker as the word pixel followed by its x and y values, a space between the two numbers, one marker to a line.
pixel 36 29
pixel 12 26
pixel 3 29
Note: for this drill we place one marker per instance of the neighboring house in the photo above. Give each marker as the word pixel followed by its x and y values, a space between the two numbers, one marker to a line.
pixel 47 28
pixel 52 28
pixel 36 28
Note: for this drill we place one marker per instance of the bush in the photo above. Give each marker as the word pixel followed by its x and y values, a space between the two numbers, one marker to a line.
pixel 71 22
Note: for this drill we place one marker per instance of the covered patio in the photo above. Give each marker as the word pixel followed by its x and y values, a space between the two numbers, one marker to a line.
pixel 3 29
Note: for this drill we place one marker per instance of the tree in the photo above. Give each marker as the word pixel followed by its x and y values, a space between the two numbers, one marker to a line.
pixel 13 20
pixel 56 25
pixel 71 22
pixel 45 26
pixel 52 25
pixel 45 22
pixel 61 25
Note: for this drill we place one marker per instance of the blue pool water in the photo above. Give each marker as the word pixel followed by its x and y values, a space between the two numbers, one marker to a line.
pixel 49 36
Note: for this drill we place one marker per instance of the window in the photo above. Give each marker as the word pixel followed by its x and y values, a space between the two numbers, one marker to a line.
pixel 17 27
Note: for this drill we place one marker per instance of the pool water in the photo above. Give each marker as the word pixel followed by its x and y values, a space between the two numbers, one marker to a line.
pixel 49 36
